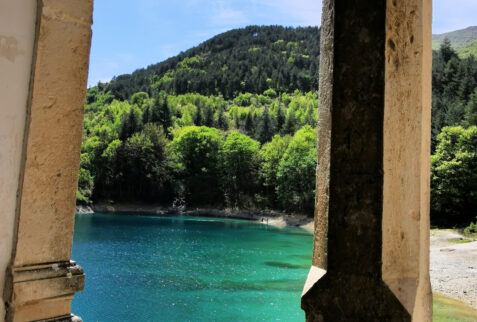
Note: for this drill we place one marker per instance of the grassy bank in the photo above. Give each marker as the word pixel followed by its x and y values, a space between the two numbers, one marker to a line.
pixel 447 309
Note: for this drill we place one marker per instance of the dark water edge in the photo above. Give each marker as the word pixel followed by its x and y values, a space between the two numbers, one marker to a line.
pixel 143 268
pixel 262 215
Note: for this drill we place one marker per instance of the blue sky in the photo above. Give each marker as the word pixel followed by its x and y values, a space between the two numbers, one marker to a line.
pixel 130 34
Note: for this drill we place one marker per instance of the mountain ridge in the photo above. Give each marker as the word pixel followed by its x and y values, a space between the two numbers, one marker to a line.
pixel 464 41
pixel 250 59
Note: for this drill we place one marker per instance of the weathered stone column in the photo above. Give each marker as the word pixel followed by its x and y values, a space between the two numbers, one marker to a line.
pixel 42 280
pixel 371 246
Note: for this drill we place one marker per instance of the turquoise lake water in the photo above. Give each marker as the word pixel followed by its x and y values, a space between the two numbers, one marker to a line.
pixel 141 268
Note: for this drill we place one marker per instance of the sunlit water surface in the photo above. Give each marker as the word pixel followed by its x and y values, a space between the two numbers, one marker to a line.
pixel 141 268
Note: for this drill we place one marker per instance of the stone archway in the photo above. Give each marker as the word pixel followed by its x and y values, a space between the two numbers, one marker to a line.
pixel 372 210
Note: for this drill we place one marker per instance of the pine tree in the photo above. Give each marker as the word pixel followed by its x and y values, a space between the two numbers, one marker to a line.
pixel 198 116
pixel 165 115
pixel 131 123
pixel 208 116
pixel 160 112
pixel 290 123
pixel 446 50
pixel 468 82
pixel 146 115
pixel 249 124
pixel 265 131
pixel 471 110
pixel 155 114
pixel 222 120
pixel 280 118
pixel 309 117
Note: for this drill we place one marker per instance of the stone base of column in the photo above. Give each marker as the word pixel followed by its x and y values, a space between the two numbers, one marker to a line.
pixel 44 292
pixel 345 297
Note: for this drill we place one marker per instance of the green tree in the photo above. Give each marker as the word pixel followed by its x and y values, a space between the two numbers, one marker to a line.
pixel 271 154
pixel 446 50
pixel 243 99
pixel 160 112
pixel 195 158
pixel 290 123
pixel 310 117
pixel 198 116
pixel 139 98
pixel 270 93
pixel 208 116
pixel 296 172
pixel 471 110
pixel 265 130
pixel 280 118
pixel 239 156
pixel 143 164
pixel 454 176
pixel 185 120
pixel 131 123
pixel 222 122
pixel 85 186
pixel 249 126
pixel 110 176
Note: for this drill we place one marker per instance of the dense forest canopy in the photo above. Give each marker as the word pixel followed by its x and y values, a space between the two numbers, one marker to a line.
pixel 232 123
pixel 251 60
pixel 454 137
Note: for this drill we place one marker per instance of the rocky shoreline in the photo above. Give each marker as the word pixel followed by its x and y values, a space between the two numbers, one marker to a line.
pixel 453 266
pixel 267 217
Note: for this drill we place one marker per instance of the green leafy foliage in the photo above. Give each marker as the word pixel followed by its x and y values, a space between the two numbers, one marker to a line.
pixel 271 154
pixel 296 171
pixel 231 123
pixel 454 176
pixel 240 60
pixel 460 39
pixel 470 116
pixel 85 186
pixel 196 148
pixel 471 230
pixel 468 50
pixel 195 158
pixel 454 81
pixel 239 163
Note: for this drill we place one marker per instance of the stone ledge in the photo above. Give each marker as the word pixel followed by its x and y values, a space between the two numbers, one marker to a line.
pixel 38 282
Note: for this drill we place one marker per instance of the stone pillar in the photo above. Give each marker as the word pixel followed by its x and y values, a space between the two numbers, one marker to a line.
pixel 17 34
pixel 42 280
pixel 371 245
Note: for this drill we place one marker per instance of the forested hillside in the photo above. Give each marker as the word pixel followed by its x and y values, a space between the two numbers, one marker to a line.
pixel 232 123
pixel 454 137
pixel 463 41
pixel 253 151
pixel 250 60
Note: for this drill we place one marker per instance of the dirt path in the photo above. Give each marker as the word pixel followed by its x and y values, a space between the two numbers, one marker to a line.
pixel 454 266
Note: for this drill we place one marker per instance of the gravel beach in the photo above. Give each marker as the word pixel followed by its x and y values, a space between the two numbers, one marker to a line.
pixel 453 266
